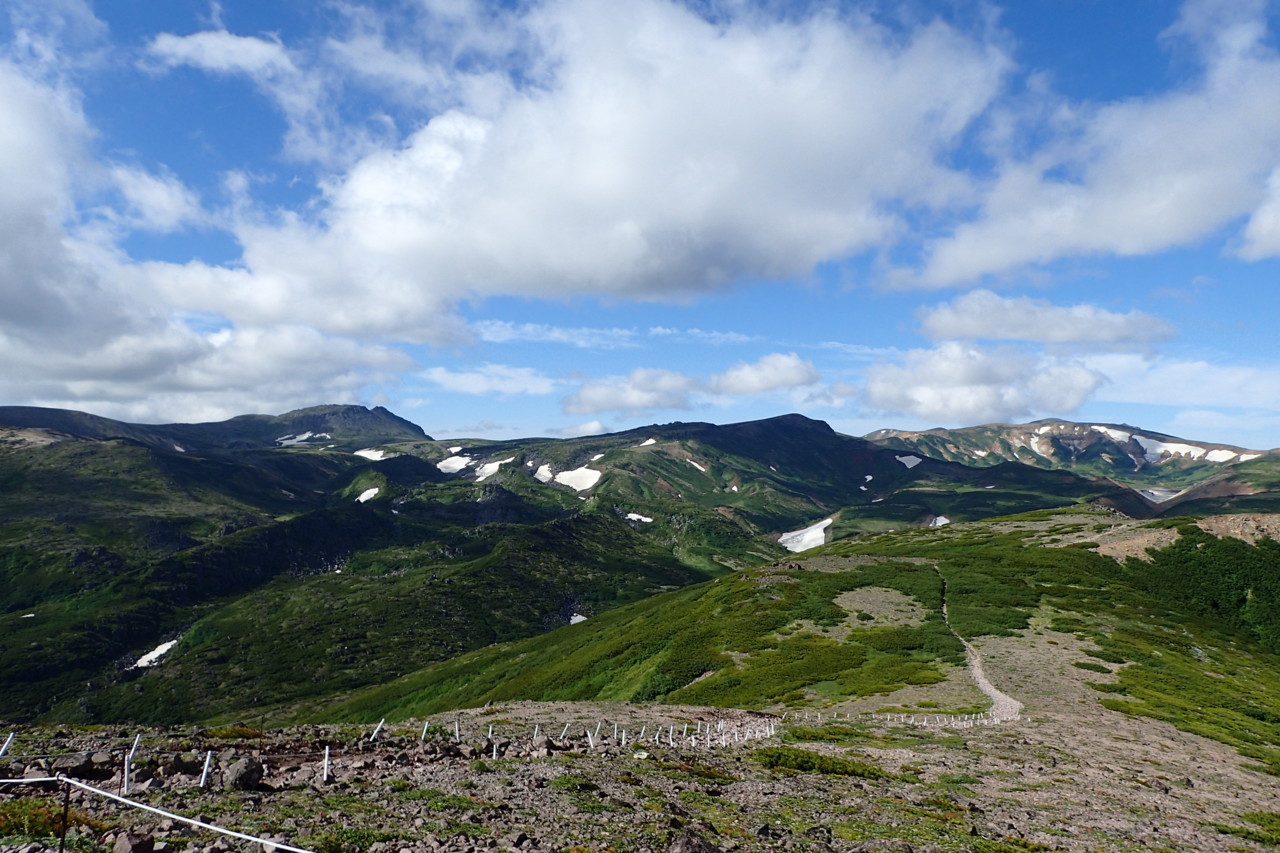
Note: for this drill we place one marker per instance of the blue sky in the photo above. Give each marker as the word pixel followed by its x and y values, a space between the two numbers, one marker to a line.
pixel 504 219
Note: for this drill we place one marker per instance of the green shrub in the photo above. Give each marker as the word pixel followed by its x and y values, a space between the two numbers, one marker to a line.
pixel 348 839
pixel 40 818
pixel 804 761
pixel 1091 666
pixel 1267 832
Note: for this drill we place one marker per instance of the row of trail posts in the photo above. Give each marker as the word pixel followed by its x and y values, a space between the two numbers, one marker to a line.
pixel 120 765
pixel 129 766
pixel 133 770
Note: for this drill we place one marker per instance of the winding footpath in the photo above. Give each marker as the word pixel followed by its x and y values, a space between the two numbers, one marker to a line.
pixel 1003 706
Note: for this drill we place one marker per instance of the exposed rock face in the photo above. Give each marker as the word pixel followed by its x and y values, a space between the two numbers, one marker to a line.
pixel 1250 526
pixel 245 775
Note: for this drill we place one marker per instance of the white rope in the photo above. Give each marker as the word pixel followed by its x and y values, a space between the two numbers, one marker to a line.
pixel 266 841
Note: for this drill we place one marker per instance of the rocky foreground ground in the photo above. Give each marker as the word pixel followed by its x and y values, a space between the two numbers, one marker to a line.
pixel 817 785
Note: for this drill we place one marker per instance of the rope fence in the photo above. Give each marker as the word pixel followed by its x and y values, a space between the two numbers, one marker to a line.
pixel 66 780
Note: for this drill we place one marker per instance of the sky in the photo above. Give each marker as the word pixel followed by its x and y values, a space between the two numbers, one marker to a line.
pixel 564 217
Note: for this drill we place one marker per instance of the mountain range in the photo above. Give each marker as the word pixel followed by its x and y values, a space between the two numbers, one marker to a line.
pixel 270 564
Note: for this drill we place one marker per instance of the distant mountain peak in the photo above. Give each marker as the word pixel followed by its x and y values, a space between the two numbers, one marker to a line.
pixel 1125 453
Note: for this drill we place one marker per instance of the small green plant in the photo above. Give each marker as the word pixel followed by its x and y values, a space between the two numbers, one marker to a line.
pixel 348 839
pixel 234 732
pixel 573 784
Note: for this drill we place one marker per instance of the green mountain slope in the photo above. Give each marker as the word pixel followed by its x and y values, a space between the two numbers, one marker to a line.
pixel 280 559
pixel 1181 639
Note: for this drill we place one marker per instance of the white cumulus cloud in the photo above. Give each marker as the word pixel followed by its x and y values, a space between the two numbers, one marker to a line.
pixel 962 383
pixel 1136 176
pixel 773 371
pixel 656 154
pixel 643 389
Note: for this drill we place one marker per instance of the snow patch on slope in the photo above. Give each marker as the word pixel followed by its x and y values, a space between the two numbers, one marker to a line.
pixel 647 442
pixel 809 537
pixel 488 469
pixel 291 440
pixel 368 494
pixel 453 464
pixel 635 516
pixel 696 465
pixel 909 461
pixel 1154 450
pixel 374 455
pixel 579 479
pixel 1114 434
pixel 543 474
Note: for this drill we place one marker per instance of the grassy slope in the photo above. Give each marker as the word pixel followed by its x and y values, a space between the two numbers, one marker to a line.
pixel 733 642
pixel 681 647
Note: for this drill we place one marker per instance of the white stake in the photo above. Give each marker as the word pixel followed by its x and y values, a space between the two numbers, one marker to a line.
pixel 136 741
pixel 495 750
pixel 204 774
pixel 565 732
pixel 457 731
pixel 424 731
pixel 128 761
pixel 535 730
pixel 490 735
pixel 641 735
pixel 598 725
pixel 325 776
pixel 7 741
pixel 377 729
pixel 591 741
pixel 624 737
pixel 615 731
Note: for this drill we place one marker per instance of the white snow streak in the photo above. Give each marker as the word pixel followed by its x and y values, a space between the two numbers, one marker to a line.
pixel 374 455
pixel 368 494
pixel 909 461
pixel 152 657
pixel 635 516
